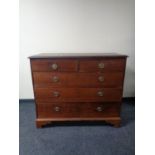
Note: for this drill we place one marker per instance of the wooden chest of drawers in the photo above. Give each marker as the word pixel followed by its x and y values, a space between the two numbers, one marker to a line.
pixel 76 87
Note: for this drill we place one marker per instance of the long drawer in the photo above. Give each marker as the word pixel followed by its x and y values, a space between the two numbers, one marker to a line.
pixel 47 79
pixel 78 94
pixel 66 110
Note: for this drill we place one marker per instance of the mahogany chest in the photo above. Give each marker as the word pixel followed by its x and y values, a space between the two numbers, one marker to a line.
pixel 78 87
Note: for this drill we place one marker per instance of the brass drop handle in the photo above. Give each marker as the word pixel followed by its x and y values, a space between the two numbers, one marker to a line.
pixel 99 109
pixel 54 66
pixel 101 65
pixel 100 93
pixel 101 78
pixel 55 79
pixel 56 94
pixel 57 109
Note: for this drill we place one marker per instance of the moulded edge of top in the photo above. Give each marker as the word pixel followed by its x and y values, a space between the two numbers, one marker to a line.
pixel 76 55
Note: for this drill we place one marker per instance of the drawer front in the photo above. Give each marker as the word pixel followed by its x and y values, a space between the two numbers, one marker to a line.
pixel 46 79
pixel 79 110
pixel 104 65
pixel 78 94
pixel 54 65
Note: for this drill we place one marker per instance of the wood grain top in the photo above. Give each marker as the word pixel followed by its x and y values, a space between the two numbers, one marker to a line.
pixel 76 55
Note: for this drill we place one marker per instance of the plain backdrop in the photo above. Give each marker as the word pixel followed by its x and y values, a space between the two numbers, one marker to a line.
pixel 76 26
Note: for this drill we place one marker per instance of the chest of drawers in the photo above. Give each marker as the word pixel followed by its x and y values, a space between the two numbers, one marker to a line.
pixel 78 87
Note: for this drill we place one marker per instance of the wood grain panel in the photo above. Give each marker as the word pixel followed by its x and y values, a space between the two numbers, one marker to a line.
pixel 46 65
pixel 47 79
pixel 109 65
pixel 78 94
pixel 46 110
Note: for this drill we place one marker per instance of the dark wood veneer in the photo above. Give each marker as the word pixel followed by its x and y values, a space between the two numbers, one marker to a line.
pixel 78 94
pixel 78 110
pixel 46 65
pixel 91 65
pixel 75 87
pixel 108 79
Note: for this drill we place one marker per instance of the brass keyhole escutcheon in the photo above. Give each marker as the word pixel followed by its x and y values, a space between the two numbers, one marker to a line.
pixel 55 79
pixel 100 93
pixel 101 65
pixel 57 109
pixel 99 108
pixel 101 78
pixel 54 66
pixel 56 94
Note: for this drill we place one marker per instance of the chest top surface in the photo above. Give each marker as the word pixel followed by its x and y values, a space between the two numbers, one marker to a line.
pixel 77 55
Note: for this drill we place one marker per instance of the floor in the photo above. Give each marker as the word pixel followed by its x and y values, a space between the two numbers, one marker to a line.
pixel 81 138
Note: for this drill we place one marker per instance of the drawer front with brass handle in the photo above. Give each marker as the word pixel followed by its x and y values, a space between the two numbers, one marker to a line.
pixel 78 94
pixel 103 65
pixel 49 79
pixel 54 65
pixel 65 110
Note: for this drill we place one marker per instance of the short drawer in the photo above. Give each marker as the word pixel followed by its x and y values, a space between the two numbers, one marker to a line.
pixel 54 65
pixel 103 65
pixel 47 79
pixel 78 94
pixel 78 110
